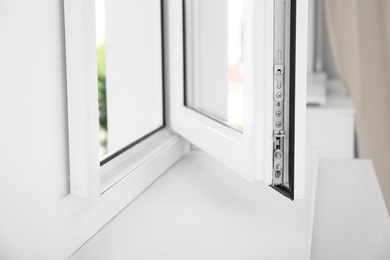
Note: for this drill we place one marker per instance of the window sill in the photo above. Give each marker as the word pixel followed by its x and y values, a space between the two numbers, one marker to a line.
pixel 121 166
pixel 200 209
pixel 122 183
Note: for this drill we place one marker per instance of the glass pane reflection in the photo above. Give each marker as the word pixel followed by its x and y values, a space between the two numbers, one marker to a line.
pixel 129 52
pixel 214 59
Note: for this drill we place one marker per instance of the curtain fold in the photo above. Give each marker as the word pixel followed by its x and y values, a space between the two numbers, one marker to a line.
pixel 359 33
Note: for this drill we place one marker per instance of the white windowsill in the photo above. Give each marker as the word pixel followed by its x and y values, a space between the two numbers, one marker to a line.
pixel 199 209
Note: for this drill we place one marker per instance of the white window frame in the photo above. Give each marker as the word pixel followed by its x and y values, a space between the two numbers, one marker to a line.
pixel 83 125
pixel 97 193
pixel 248 153
pixel 209 135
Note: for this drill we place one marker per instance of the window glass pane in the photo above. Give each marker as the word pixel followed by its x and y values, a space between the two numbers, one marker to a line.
pixel 214 59
pixel 101 62
pixel 129 46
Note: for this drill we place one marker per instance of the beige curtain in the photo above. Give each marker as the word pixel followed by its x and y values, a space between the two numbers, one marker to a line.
pixel 359 32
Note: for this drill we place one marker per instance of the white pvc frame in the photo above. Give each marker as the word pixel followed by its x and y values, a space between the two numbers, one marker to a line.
pixel 248 153
pixel 83 124
pixel 97 194
pixel 300 97
pixel 91 202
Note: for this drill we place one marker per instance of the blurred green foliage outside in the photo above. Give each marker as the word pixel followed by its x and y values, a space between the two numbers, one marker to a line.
pixel 101 59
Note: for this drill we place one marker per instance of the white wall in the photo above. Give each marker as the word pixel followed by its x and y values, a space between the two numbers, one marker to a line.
pixel 328 61
pixel 33 125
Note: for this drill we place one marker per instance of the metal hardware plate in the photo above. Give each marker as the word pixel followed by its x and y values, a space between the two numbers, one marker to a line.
pixel 280 97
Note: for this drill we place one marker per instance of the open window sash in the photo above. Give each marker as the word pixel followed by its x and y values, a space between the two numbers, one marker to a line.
pixel 271 30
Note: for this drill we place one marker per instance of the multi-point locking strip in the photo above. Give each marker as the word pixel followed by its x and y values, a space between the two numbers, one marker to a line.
pixel 280 98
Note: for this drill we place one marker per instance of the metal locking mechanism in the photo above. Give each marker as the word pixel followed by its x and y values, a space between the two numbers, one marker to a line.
pixel 280 96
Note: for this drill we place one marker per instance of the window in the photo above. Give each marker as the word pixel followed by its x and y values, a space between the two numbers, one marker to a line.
pixel 214 59
pixel 130 72
pixel 139 148
pixel 269 144
pixel 218 64
pixel 114 67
